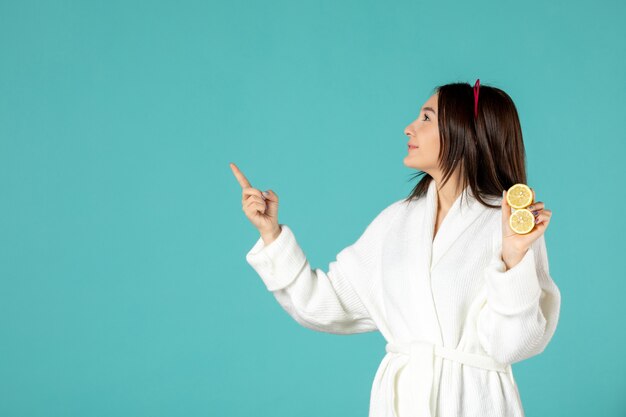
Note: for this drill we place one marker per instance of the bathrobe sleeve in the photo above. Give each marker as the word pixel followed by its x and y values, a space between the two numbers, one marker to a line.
pixel 331 301
pixel 522 309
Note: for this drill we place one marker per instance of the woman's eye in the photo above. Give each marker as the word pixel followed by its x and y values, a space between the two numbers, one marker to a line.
pixel 426 117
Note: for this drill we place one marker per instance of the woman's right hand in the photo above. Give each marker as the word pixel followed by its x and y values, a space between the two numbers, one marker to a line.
pixel 260 209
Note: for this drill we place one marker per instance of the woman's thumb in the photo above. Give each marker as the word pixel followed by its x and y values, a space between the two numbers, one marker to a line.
pixel 272 203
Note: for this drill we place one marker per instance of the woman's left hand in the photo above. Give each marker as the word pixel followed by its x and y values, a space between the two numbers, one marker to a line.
pixel 515 246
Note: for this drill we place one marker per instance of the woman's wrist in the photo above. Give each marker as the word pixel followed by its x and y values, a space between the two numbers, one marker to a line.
pixel 512 258
pixel 269 237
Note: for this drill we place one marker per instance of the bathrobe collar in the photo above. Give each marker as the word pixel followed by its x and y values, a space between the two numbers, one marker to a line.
pixel 460 215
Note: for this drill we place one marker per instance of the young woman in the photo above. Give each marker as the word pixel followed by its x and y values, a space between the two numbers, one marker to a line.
pixel 457 294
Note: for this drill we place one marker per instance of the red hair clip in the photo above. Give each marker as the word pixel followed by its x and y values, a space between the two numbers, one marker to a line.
pixel 476 91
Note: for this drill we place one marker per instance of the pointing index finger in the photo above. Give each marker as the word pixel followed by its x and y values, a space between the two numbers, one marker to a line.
pixel 243 181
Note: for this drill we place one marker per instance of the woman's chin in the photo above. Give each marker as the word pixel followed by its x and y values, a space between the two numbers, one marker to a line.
pixel 409 164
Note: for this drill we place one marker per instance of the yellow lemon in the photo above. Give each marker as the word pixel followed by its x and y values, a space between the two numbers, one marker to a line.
pixel 519 196
pixel 522 221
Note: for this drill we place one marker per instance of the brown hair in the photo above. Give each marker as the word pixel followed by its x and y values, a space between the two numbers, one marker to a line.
pixel 489 148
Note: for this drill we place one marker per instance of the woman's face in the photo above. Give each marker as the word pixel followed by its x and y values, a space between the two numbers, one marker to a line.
pixel 423 133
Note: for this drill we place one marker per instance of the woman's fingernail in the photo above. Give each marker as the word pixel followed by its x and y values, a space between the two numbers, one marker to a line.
pixel 266 194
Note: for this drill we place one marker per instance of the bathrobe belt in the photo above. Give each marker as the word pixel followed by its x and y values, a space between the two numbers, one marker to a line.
pixel 425 381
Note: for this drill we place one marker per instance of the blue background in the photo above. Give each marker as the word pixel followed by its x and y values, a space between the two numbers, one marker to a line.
pixel 124 289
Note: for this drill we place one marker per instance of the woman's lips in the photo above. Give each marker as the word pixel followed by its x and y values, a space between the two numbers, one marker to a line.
pixel 412 147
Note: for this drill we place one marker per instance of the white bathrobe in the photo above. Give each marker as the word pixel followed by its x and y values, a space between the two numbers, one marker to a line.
pixel 454 320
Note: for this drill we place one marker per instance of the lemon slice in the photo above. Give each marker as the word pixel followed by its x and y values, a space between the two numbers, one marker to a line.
pixel 522 221
pixel 519 196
